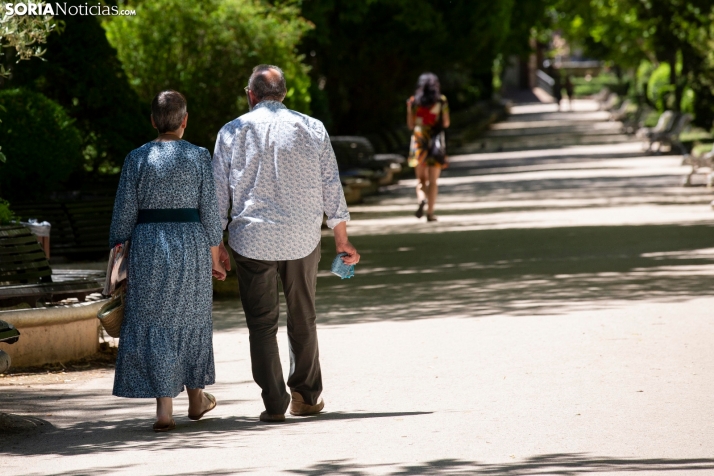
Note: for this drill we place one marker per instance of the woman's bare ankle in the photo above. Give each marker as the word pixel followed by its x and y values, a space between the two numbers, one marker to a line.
pixel 164 409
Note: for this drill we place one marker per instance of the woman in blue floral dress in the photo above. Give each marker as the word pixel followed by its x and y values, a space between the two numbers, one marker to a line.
pixel 166 205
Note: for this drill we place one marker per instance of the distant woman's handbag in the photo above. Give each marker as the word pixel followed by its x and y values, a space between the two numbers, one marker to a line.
pixel 111 315
pixel 437 142
pixel 437 147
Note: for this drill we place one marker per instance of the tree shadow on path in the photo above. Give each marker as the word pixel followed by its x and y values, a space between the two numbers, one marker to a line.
pixel 564 464
pixel 120 435
pixel 517 272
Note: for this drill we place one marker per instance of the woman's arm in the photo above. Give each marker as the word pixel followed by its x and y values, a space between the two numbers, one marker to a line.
pixel 126 206
pixel 410 113
pixel 445 116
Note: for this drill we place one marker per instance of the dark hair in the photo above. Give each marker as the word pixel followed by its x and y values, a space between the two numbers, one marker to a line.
pixel 267 86
pixel 428 90
pixel 168 110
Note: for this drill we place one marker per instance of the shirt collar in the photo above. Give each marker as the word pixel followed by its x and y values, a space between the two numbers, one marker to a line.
pixel 270 104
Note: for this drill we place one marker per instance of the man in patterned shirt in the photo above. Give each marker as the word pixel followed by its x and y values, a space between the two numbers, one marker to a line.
pixel 276 172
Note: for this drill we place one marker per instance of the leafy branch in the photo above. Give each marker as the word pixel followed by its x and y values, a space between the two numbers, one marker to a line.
pixel 24 36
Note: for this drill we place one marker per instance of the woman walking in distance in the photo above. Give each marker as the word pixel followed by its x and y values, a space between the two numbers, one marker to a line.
pixel 166 206
pixel 427 117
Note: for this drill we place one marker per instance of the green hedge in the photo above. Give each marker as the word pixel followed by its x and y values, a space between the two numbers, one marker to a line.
pixel 40 142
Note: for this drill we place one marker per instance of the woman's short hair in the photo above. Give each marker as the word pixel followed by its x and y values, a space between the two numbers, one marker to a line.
pixel 428 90
pixel 168 110
pixel 268 86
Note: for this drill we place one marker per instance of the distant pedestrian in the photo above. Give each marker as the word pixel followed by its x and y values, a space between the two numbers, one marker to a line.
pixel 428 118
pixel 276 173
pixel 166 205
pixel 569 90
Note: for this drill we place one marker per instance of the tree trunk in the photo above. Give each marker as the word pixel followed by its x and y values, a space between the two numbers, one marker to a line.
pixel 673 81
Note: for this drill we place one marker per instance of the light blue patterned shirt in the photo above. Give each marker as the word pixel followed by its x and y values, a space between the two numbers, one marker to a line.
pixel 276 172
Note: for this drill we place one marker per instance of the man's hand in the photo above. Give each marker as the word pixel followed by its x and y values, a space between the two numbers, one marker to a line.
pixel 343 245
pixel 352 255
pixel 224 257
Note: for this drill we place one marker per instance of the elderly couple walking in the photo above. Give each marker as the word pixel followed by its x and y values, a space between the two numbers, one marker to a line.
pixel 275 173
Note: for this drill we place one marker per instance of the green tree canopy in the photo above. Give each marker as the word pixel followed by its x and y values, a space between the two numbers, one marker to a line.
pixel 42 145
pixel 676 32
pixel 207 50
pixel 81 72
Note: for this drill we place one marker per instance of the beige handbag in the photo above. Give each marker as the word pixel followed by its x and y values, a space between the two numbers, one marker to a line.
pixel 111 315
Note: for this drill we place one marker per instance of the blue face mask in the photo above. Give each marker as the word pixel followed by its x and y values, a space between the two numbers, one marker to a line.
pixel 344 271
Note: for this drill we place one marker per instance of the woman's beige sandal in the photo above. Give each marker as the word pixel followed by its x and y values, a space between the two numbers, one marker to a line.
pixel 160 428
pixel 213 401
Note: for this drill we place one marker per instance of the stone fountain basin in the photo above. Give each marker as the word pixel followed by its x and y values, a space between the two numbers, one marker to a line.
pixel 53 334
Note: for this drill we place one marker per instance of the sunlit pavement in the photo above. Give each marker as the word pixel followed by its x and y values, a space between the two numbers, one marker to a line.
pixel 555 320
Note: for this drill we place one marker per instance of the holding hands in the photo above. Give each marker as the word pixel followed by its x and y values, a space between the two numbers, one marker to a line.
pixel 221 262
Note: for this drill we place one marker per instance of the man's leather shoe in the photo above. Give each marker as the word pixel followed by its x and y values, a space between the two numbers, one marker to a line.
pixel 298 407
pixel 267 417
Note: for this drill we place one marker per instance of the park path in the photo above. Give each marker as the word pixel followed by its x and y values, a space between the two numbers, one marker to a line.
pixel 555 320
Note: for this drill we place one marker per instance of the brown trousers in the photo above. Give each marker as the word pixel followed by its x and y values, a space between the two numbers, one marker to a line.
pixel 258 282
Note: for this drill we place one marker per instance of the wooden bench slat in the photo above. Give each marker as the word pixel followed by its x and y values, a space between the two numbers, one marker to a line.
pixel 30 256
pixel 4 251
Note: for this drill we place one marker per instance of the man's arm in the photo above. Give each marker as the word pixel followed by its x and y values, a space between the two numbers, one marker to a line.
pixel 221 174
pixel 334 204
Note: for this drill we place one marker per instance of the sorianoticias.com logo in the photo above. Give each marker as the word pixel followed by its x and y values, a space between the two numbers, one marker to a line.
pixel 57 8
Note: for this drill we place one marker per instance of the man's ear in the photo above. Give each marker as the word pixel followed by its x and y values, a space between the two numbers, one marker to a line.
pixel 184 122
pixel 153 124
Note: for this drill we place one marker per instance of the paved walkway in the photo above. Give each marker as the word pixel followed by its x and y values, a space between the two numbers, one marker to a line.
pixel 556 320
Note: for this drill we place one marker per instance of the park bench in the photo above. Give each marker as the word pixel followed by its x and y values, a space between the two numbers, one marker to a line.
pixel 80 228
pixel 664 123
pixel 361 171
pixel 632 123
pixel 26 276
pixel 667 131
pixel 610 102
pixel 602 95
pixel 621 112
pixel 697 162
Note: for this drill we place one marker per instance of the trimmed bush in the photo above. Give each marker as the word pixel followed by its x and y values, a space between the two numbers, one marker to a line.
pixel 6 215
pixel 40 142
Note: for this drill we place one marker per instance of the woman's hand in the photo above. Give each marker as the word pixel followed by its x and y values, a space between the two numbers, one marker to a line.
pixel 218 270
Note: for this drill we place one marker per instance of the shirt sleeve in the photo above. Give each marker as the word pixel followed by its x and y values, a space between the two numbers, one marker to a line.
pixel 333 197
pixel 208 206
pixel 221 175
pixel 126 206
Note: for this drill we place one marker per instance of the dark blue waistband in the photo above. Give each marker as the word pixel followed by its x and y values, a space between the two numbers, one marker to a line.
pixel 169 215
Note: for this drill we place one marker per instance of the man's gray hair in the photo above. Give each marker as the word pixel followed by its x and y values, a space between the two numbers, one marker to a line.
pixel 168 110
pixel 267 86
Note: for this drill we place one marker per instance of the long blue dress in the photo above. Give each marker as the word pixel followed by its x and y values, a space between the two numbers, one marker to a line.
pixel 166 339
